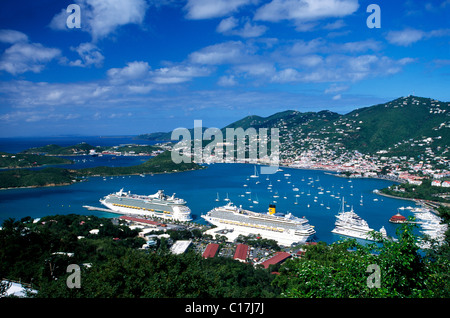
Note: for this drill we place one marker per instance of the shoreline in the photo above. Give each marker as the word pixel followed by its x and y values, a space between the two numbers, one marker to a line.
pixel 40 186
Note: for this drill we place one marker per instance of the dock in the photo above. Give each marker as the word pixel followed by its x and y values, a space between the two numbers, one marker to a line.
pixel 94 208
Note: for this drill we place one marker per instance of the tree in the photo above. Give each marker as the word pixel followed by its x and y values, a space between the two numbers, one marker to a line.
pixel 340 270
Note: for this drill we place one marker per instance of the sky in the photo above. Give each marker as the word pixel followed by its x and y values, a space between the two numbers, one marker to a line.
pixel 141 66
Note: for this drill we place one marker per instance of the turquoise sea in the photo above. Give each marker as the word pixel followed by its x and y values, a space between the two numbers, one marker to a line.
pixel 319 194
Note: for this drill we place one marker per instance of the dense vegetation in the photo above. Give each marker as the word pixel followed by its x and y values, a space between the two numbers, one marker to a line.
pixel 342 270
pixel 117 268
pixel 35 178
pixel 423 192
pixel 9 161
pixel 58 176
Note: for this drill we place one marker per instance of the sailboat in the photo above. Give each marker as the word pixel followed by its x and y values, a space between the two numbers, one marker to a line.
pixel 256 200
pixel 217 199
pixel 255 175
pixel 296 202
pixel 227 199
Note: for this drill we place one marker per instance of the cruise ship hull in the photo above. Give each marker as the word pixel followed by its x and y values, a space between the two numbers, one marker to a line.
pixel 147 206
pixel 242 222
pixel 352 233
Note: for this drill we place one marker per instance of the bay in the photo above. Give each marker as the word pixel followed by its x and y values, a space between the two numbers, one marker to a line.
pixel 200 188
pixel 319 194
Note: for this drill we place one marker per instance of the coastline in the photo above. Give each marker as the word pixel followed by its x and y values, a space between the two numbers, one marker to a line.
pixel 40 186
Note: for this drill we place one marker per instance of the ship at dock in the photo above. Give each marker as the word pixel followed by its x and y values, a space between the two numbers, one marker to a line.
pixel 155 205
pixel 233 221
pixel 348 223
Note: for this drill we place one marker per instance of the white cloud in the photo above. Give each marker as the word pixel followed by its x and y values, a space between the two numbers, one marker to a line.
pixel 337 97
pixel 230 26
pixel 141 79
pixel 207 9
pixel 342 68
pixel 133 71
pixel 89 55
pixel 287 75
pixel 260 70
pixel 409 36
pixel 24 57
pixel 12 36
pixel 335 88
pixel 227 25
pixel 178 74
pixel 405 37
pixel 102 17
pixel 305 10
pixel 227 81
pixel 222 53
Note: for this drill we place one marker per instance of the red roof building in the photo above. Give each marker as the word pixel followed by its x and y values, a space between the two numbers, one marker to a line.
pixel 278 258
pixel 210 250
pixel 241 252
pixel 398 218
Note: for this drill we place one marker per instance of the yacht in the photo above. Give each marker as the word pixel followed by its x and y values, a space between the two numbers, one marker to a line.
pixel 349 223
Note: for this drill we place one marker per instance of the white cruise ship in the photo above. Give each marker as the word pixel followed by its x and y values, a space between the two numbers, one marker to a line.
pixel 286 229
pixel 349 223
pixel 157 205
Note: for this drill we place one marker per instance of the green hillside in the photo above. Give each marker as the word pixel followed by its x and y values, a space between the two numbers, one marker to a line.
pixel 407 126
pixel 8 160
pixel 405 119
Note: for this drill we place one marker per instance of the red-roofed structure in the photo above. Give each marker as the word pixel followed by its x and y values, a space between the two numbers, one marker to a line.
pixel 398 218
pixel 210 250
pixel 241 252
pixel 278 258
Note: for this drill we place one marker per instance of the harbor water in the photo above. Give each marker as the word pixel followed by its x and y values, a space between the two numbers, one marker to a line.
pixel 313 194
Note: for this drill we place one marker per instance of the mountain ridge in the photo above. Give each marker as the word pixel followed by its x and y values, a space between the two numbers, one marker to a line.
pixel 390 127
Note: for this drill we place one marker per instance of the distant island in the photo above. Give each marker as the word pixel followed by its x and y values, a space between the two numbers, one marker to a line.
pixel 18 178
pixel 87 149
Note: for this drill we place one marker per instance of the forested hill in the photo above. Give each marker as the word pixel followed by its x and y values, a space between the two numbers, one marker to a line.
pixel 391 126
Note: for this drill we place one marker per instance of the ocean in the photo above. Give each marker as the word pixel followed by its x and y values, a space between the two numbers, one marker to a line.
pixel 319 194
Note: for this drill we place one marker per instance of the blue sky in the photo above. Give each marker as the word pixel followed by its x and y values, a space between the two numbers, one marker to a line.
pixel 141 66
